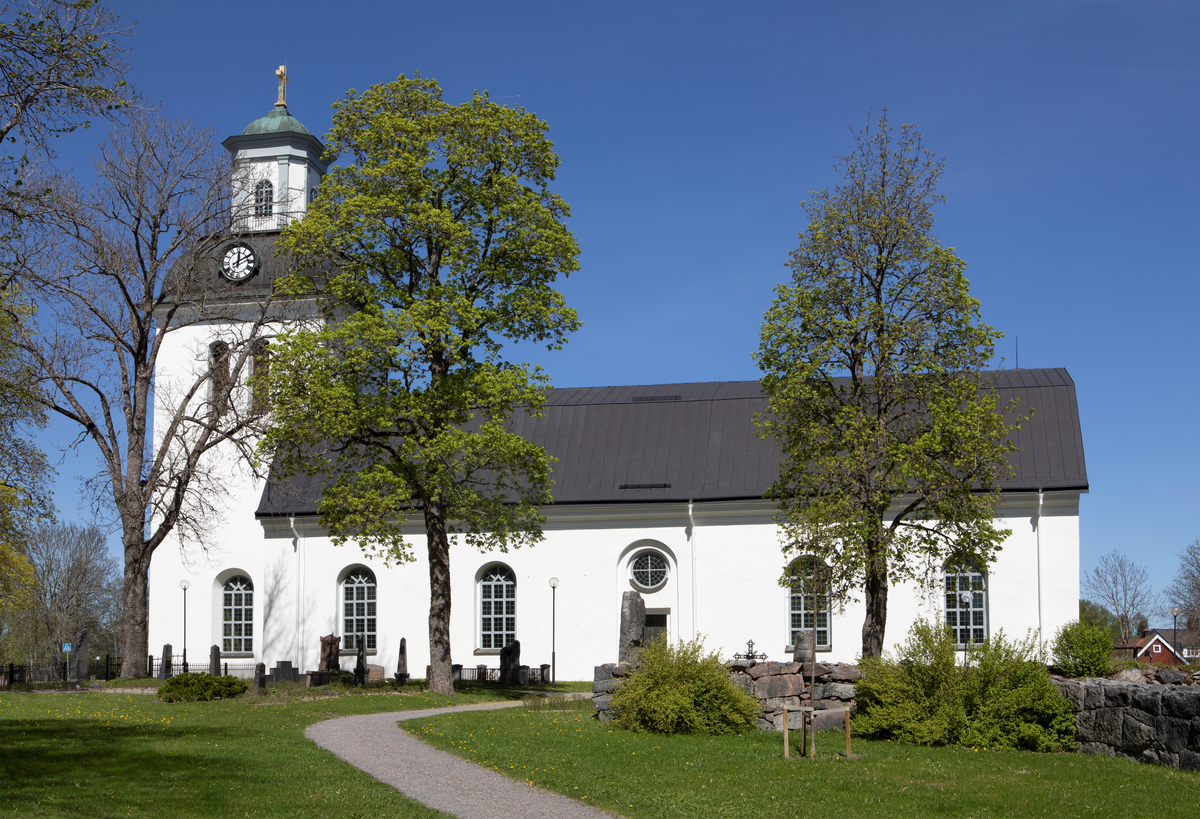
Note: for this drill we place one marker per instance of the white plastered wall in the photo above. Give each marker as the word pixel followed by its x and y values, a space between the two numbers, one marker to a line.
pixel 734 588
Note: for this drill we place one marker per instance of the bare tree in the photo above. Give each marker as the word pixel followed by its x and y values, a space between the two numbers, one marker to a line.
pixel 1184 590
pixel 1122 587
pixel 114 271
pixel 78 586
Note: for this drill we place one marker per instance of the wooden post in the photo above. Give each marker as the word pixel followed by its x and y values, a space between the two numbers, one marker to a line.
pixel 812 734
pixel 847 732
pixel 786 752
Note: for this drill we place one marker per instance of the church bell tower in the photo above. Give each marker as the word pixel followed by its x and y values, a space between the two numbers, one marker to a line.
pixel 277 167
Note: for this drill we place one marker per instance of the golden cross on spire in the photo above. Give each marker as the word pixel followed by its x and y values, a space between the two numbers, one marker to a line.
pixel 281 73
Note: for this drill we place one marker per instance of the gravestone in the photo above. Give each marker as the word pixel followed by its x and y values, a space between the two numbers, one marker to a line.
pixel 402 663
pixel 360 668
pixel 164 664
pixel 633 625
pixel 802 651
pixel 214 661
pixel 510 661
pixel 81 655
pixel 283 672
pixel 260 675
pixel 331 650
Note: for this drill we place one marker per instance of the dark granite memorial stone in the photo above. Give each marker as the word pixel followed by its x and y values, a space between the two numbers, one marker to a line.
pixel 260 675
pixel 510 661
pixel 360 667
pixel 283 672
pixel 402 663
pixel 164 665
pixel 214 661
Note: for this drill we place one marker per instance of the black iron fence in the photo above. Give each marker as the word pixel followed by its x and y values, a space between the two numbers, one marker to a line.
pixel 525 675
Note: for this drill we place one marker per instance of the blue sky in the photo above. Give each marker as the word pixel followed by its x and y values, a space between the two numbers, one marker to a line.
pixel 691 132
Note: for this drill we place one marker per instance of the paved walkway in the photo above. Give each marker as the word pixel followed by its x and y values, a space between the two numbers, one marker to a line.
pixel 376 744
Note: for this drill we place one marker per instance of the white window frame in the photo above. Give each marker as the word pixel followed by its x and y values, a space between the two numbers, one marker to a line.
pixel 967 580
pixel 800 611
pixel 496 578
pixel 264 199
pixel 649 555
pixel 363 597
pixel 237 616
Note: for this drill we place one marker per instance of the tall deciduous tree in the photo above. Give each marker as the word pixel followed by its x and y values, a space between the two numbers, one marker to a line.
pixel 115 270
pixel 1123 587
pixel 61 65
pixel 447 243
pixel 871 358
pixel 1184 590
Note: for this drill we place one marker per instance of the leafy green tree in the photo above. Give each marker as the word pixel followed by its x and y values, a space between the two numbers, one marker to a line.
pixel 24 473
pixel 1094 614
pixel 61 64
pixel 446 242
pixel 893 445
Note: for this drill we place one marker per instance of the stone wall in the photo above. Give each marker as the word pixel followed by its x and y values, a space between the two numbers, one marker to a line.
pixel 775 685
pixel 786 685
pixel 1142 721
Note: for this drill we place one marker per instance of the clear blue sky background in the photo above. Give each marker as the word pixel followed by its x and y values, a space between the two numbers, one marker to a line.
pixel 691 132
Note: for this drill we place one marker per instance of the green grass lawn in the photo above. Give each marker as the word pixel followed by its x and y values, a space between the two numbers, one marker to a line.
pixel 98 754
pixel 646 775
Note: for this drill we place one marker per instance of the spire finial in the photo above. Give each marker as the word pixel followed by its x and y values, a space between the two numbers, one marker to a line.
pixel 281 73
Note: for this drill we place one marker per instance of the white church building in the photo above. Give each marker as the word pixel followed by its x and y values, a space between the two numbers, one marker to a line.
pixel 658 488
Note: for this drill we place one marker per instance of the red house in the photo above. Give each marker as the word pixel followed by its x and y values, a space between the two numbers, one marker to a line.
pixel 1153 647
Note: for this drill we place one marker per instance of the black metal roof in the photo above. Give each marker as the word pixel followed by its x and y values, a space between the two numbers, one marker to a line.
pixel 675 442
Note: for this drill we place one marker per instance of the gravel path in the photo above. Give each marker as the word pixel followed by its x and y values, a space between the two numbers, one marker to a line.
pixel 375 744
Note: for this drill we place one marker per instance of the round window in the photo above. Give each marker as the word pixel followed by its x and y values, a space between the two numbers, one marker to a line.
pixel 649 570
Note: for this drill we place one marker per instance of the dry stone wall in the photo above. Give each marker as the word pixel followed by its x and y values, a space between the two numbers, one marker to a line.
pixel 776 686
pixel 1142 721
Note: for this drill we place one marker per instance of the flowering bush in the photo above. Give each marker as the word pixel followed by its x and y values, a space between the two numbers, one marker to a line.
pixel 1000 696
pixel 1081 650
pixel 681 689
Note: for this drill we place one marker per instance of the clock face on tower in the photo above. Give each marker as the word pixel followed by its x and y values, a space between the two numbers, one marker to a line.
pixel 239 263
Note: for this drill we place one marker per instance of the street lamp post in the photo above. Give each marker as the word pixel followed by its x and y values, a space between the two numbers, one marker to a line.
pixel 183 584
pixel 1175 612
pixel 553 635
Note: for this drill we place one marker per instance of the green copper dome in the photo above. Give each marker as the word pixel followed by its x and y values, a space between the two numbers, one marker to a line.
pixel 279 121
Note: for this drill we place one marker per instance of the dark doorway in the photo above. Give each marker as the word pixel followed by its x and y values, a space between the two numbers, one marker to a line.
pixel 656 624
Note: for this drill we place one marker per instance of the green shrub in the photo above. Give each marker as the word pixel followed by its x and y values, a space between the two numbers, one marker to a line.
pixel 999 697
pixel 193 687
pixel 681 689
pixel 1082 650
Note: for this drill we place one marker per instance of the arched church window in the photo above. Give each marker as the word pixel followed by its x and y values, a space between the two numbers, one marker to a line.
pixel 238 615
pixel 808 600
pixel 218 353
pixel 966 605
pixel 260 368
pixel 264 197
pixel 358 610
pixel 497 607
